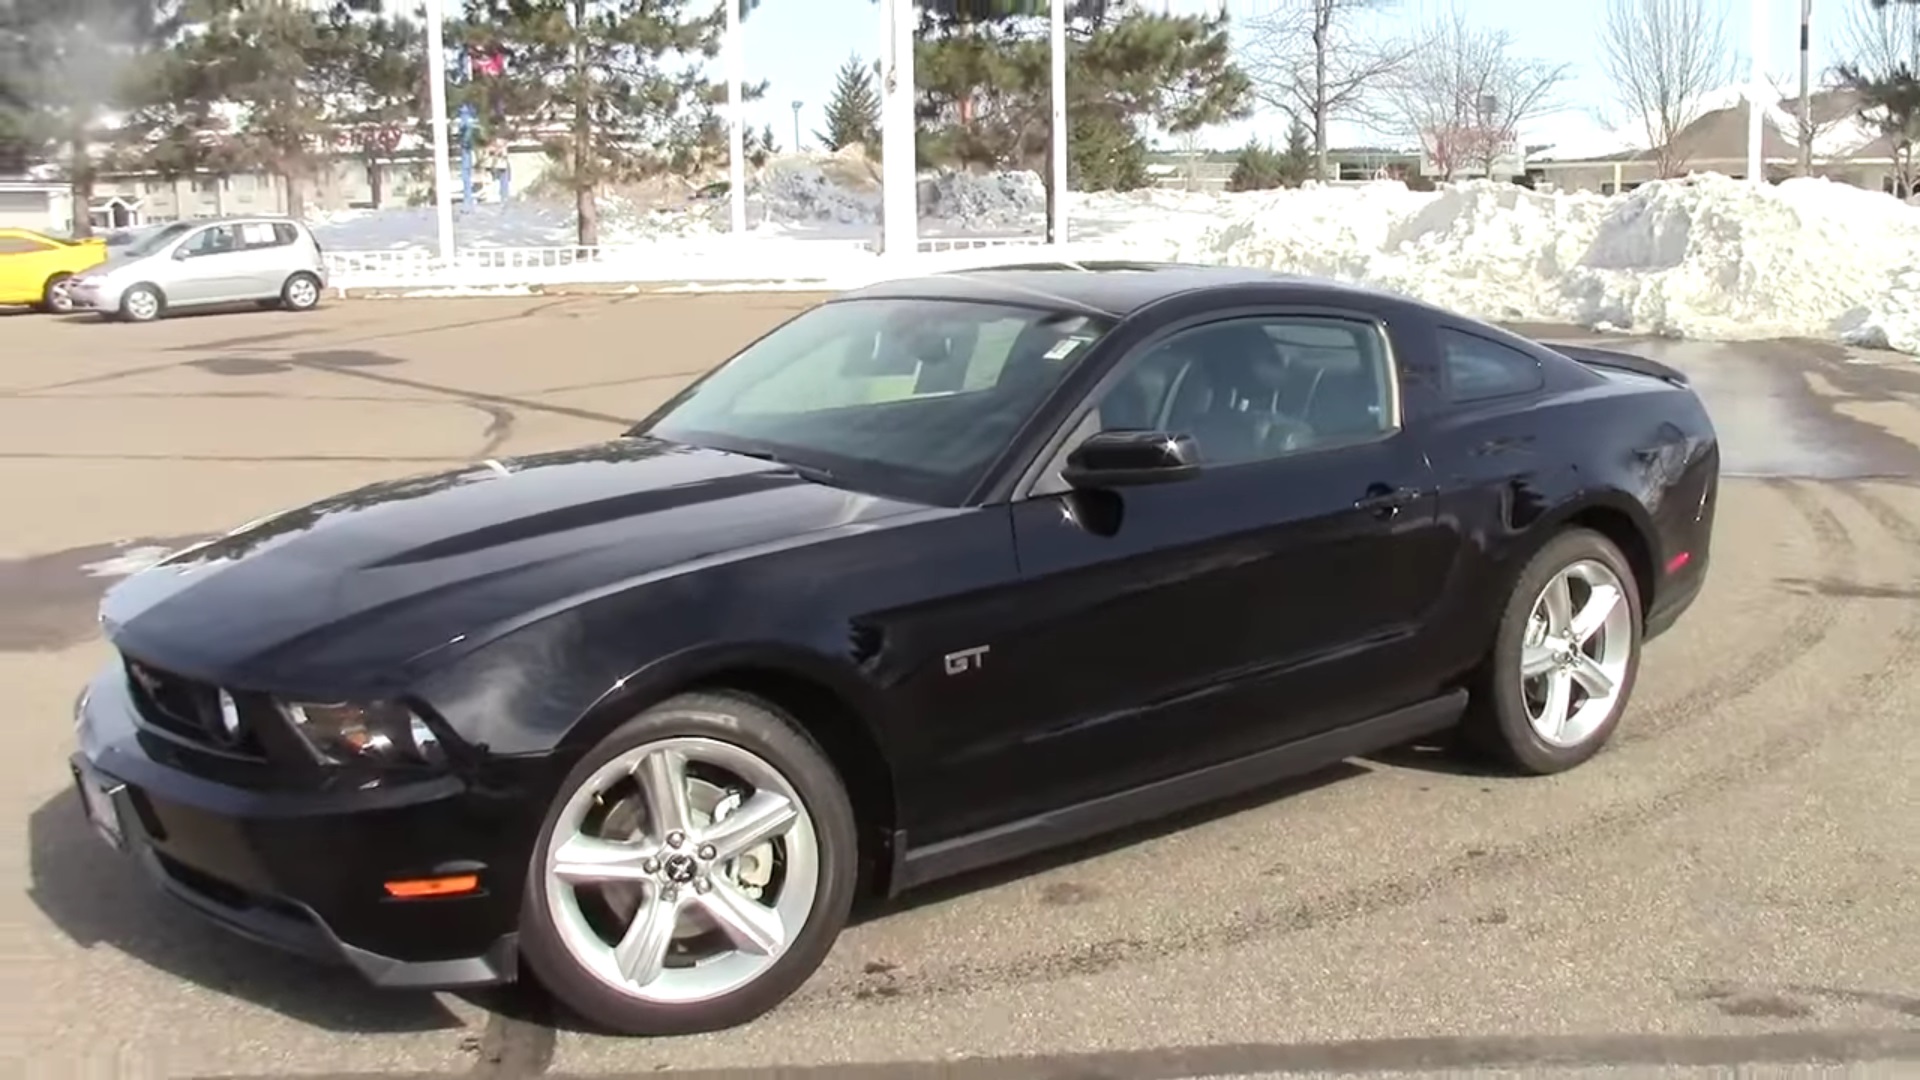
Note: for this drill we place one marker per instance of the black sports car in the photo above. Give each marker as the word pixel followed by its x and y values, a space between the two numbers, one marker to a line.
pixel 935 574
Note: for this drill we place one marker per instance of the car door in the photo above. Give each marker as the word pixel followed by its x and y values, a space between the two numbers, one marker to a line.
pixel 1265 599
pixel 266 260
pixel 209 267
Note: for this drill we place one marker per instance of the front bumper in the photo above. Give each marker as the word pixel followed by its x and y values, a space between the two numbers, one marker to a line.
pixel 94 294
pixel 304 871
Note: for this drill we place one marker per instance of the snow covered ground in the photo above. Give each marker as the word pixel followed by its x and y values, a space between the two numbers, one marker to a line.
pixel 1706 257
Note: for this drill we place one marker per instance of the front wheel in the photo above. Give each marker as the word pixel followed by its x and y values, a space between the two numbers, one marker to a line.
pixel 693 872
pixel 1564 658
pixel 141 303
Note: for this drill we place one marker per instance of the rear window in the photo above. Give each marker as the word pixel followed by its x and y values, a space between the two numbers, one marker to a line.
pixel 1478 369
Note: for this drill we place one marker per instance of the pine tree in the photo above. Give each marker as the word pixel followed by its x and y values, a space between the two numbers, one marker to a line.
pixel 621 78
pixel 1889 97
pixel 64 64
pixel 383 93
pixel 247 85
pixel 853 113
pixel 985 77
pixel 1298 162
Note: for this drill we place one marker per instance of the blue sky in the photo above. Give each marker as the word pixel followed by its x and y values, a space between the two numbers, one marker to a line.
pixel 798 45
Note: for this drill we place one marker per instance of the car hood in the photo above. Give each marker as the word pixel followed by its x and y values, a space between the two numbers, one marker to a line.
pixel 354 591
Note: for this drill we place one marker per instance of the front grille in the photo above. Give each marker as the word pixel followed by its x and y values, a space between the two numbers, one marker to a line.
pixel 191 710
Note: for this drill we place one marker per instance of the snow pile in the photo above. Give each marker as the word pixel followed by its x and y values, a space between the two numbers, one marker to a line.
pixel 799 191
pixel 499 225
pixel 1707 256
pixel 989 201
pixel 1892 319
pixel 1703 257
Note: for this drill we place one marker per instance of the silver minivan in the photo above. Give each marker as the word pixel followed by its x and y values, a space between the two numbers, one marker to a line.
pixel 273 261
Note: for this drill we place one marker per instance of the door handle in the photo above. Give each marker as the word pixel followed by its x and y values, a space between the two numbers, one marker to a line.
pixel 1385 502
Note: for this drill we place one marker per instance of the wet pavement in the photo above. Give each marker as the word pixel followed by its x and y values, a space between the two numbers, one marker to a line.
pixel 1735 880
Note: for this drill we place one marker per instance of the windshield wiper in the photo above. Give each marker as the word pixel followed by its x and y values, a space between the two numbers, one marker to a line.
pixel 806 472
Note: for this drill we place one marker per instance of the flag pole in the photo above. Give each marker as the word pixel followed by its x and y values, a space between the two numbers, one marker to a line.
pixel 437 100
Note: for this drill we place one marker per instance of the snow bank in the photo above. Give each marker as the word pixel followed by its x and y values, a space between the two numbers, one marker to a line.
pixel 1707 257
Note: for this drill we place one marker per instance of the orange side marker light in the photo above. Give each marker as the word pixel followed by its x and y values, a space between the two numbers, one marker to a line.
pixel 420 888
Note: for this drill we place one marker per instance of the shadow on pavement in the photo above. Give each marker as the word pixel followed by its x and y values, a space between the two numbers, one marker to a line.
pixel 98 899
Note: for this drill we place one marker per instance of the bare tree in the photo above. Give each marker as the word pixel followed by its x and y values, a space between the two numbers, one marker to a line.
pixel 1884 43
pixel 1465 95
pixel 1324 60
pixel 1664 57
pixel 1805 129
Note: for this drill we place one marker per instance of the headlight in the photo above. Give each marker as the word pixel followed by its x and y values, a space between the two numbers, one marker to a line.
pixel 381 732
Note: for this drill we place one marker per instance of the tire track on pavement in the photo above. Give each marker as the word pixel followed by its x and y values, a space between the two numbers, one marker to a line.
pixel 1808 626
pixel 1795 740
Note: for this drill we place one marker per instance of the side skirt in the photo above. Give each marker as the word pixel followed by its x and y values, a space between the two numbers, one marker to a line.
pixel 1081 821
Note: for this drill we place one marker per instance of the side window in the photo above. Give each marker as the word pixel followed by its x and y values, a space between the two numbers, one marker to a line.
pixel 1479 369
pixel 1257 388
pixel 284 233
pixel 216 240
pixel 21 245
pixel 256 235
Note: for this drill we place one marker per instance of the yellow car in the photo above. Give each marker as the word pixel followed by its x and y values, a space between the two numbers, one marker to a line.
pixel 35 268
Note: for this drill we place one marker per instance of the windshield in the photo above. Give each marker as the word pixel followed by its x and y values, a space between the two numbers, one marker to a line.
pixel 905 397
pixel 146 245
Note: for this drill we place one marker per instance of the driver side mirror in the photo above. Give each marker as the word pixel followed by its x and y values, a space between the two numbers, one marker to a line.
pixel 1109 459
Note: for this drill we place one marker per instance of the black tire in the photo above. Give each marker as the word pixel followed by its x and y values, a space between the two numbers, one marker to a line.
pixel 1497 722
pixel 779 741
pixel 54 298
pixel 128 304
pixel 301 292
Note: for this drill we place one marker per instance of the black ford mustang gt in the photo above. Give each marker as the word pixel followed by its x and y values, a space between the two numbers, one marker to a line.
pixel 935 574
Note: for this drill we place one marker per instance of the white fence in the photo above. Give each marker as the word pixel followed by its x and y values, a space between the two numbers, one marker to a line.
pixel 832 263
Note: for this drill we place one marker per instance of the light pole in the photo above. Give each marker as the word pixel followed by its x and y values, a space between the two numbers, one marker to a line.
pixel 1057 33
pixel 736 123
pixel 1756 79
pixel 796 126
pixel 899 194
pixel 1806 91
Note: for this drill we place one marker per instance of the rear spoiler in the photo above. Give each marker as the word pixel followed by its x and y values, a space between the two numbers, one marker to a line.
pixel 1608 358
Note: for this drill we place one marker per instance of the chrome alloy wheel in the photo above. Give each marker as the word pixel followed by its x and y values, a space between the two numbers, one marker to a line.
pixel 142 304
pixel 681 870
pixel 1574 656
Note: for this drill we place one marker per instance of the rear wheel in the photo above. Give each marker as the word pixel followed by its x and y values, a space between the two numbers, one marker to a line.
pixel 56 299
pixel 300 293
pixel 693 872
pixel 1564 658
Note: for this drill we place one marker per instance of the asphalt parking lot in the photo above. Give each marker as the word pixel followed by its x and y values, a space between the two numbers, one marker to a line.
pixel 1736 879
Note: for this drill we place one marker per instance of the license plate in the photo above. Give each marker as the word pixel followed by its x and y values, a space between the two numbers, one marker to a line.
pixel 96 798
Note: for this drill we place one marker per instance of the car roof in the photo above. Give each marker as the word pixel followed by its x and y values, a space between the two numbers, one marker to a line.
pixel 1111 288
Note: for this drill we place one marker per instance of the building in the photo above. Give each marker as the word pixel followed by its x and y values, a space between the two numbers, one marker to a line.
pixel 1845 148
pixel 1210 170
pixel 32 204
pixel 346 180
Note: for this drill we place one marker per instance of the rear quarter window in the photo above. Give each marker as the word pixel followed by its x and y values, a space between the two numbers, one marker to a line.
pixel 1479 368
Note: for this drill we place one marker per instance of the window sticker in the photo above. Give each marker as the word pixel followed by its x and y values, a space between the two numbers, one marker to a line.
pixel 1065 347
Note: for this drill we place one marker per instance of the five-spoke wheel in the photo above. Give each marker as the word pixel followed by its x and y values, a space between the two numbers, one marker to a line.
pixel 694 871
pixel 1564 658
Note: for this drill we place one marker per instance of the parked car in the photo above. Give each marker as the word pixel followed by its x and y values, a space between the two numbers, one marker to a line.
pixel 936 574
pixel 35 268
pixel 272 261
